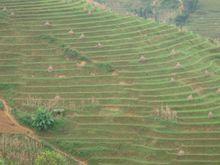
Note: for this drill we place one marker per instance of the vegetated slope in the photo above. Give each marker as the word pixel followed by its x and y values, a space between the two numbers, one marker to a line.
pixel 19 149
pixel 205 20
pixel 114 81
pixel 162 11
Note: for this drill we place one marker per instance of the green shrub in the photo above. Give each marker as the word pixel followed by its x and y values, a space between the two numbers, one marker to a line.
pixel 1 105
pixel 43 120
pixel 106 67
pixel 50 158
pixel 7 86
pixel 84 58
pixel 75 55
pixel 26 120
pixel 3 15
pixel 72 54
pixel 2 162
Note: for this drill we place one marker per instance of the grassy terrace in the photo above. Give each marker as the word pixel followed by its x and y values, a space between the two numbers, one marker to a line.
pixel 205 20
pixel 108 93
pixel 10 148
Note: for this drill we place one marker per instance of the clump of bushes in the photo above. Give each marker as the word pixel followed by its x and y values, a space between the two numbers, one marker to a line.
pixel 50 158
pixel 106 67
pixel 43 120
pixel 1 105
pixel 26 120
pixel 75 55
pixel 71 54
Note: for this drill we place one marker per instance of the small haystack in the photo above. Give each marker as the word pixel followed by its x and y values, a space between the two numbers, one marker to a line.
pixel 71 32
pixel 50 69
pixel 82 36
pixel 210 115
pixel 190 97
pixel 89 13
pixel 47 24
pixel 4 8
pixel 114 73
pixel 61 76
pixel 57 97
pixel 174 115
pixel 81 64
pixel 168 113
pixel 181 153
pixel 173 52
pixel 99 45
pixel 165 113
pixel 172 79
pixel 156 112
pixel 218 91
pixel 178 65
pixel 84 8
pixel 207 73
pixel 92 74
pixel 142 59
pixel 12 14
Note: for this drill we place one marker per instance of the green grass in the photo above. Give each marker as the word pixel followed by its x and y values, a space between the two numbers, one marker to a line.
pixel 108 101
pixel 205 20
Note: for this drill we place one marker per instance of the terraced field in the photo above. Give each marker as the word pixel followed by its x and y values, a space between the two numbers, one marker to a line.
pixel 117 77
pixel 206 20
pixel 10 148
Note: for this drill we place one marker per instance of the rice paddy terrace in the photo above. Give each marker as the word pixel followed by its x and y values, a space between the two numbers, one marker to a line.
pixel 134 91
pixel 10 149
pixel 205 20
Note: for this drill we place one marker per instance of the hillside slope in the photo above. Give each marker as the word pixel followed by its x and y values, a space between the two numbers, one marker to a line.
pixel 205 20
pixel 134 91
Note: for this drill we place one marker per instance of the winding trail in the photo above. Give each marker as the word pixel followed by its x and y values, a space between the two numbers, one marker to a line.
pixel 8 124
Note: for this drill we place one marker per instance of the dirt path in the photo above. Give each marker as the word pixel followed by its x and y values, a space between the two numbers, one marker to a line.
pixel 8 124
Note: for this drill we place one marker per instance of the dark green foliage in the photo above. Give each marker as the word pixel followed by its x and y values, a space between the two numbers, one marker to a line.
pixel 1 105
pixel 26 120
pixel 43 120
pixel 106 67
pixel 50 158
pixel 190 7
pixel 72 54
pixel 145 9
pixel 181 19
pixel 50 39
pixel 7 86
pixel 75 55
pixel 3 15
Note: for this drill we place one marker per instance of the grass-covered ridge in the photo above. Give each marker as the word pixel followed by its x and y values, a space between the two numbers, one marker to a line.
pixel 205 20
pixel 136 69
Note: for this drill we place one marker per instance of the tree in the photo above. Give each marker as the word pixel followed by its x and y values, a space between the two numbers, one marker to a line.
pixel 43 120
pixel 50 158
pixel 181 19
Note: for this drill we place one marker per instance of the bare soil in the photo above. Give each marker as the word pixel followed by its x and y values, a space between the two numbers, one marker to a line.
pixel 8 124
